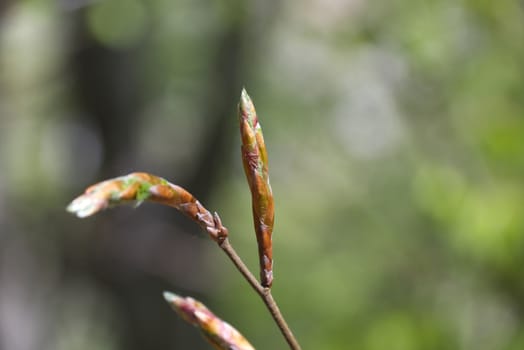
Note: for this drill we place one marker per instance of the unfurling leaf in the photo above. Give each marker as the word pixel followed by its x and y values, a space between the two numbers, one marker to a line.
pixel 139 187
pixel 220 334
pixel 254 158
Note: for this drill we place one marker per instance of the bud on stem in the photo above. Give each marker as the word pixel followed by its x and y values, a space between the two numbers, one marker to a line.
pixel 254 159
pixel 217 332
pixel 139 187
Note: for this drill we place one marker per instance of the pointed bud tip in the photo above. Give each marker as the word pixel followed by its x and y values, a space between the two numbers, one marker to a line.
pixel 170 297
pixel 81 207
pixel 245 100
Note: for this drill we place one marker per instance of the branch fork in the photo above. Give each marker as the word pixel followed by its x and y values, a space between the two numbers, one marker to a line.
pixel 139 187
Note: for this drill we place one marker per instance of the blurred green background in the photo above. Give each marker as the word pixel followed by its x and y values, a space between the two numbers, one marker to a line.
pixel 395 132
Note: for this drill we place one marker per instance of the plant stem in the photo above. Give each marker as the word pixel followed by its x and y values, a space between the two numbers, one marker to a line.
pixel 264 293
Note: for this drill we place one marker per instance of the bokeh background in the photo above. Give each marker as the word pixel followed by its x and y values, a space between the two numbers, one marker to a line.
pixel 395 132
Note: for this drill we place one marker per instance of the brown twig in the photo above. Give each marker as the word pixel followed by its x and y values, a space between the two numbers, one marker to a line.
pixel 143 186
pixel 264 293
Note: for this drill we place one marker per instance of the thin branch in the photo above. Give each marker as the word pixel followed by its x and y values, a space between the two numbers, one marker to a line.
pixel 143 186
pixel 264 293
pixel 244 270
